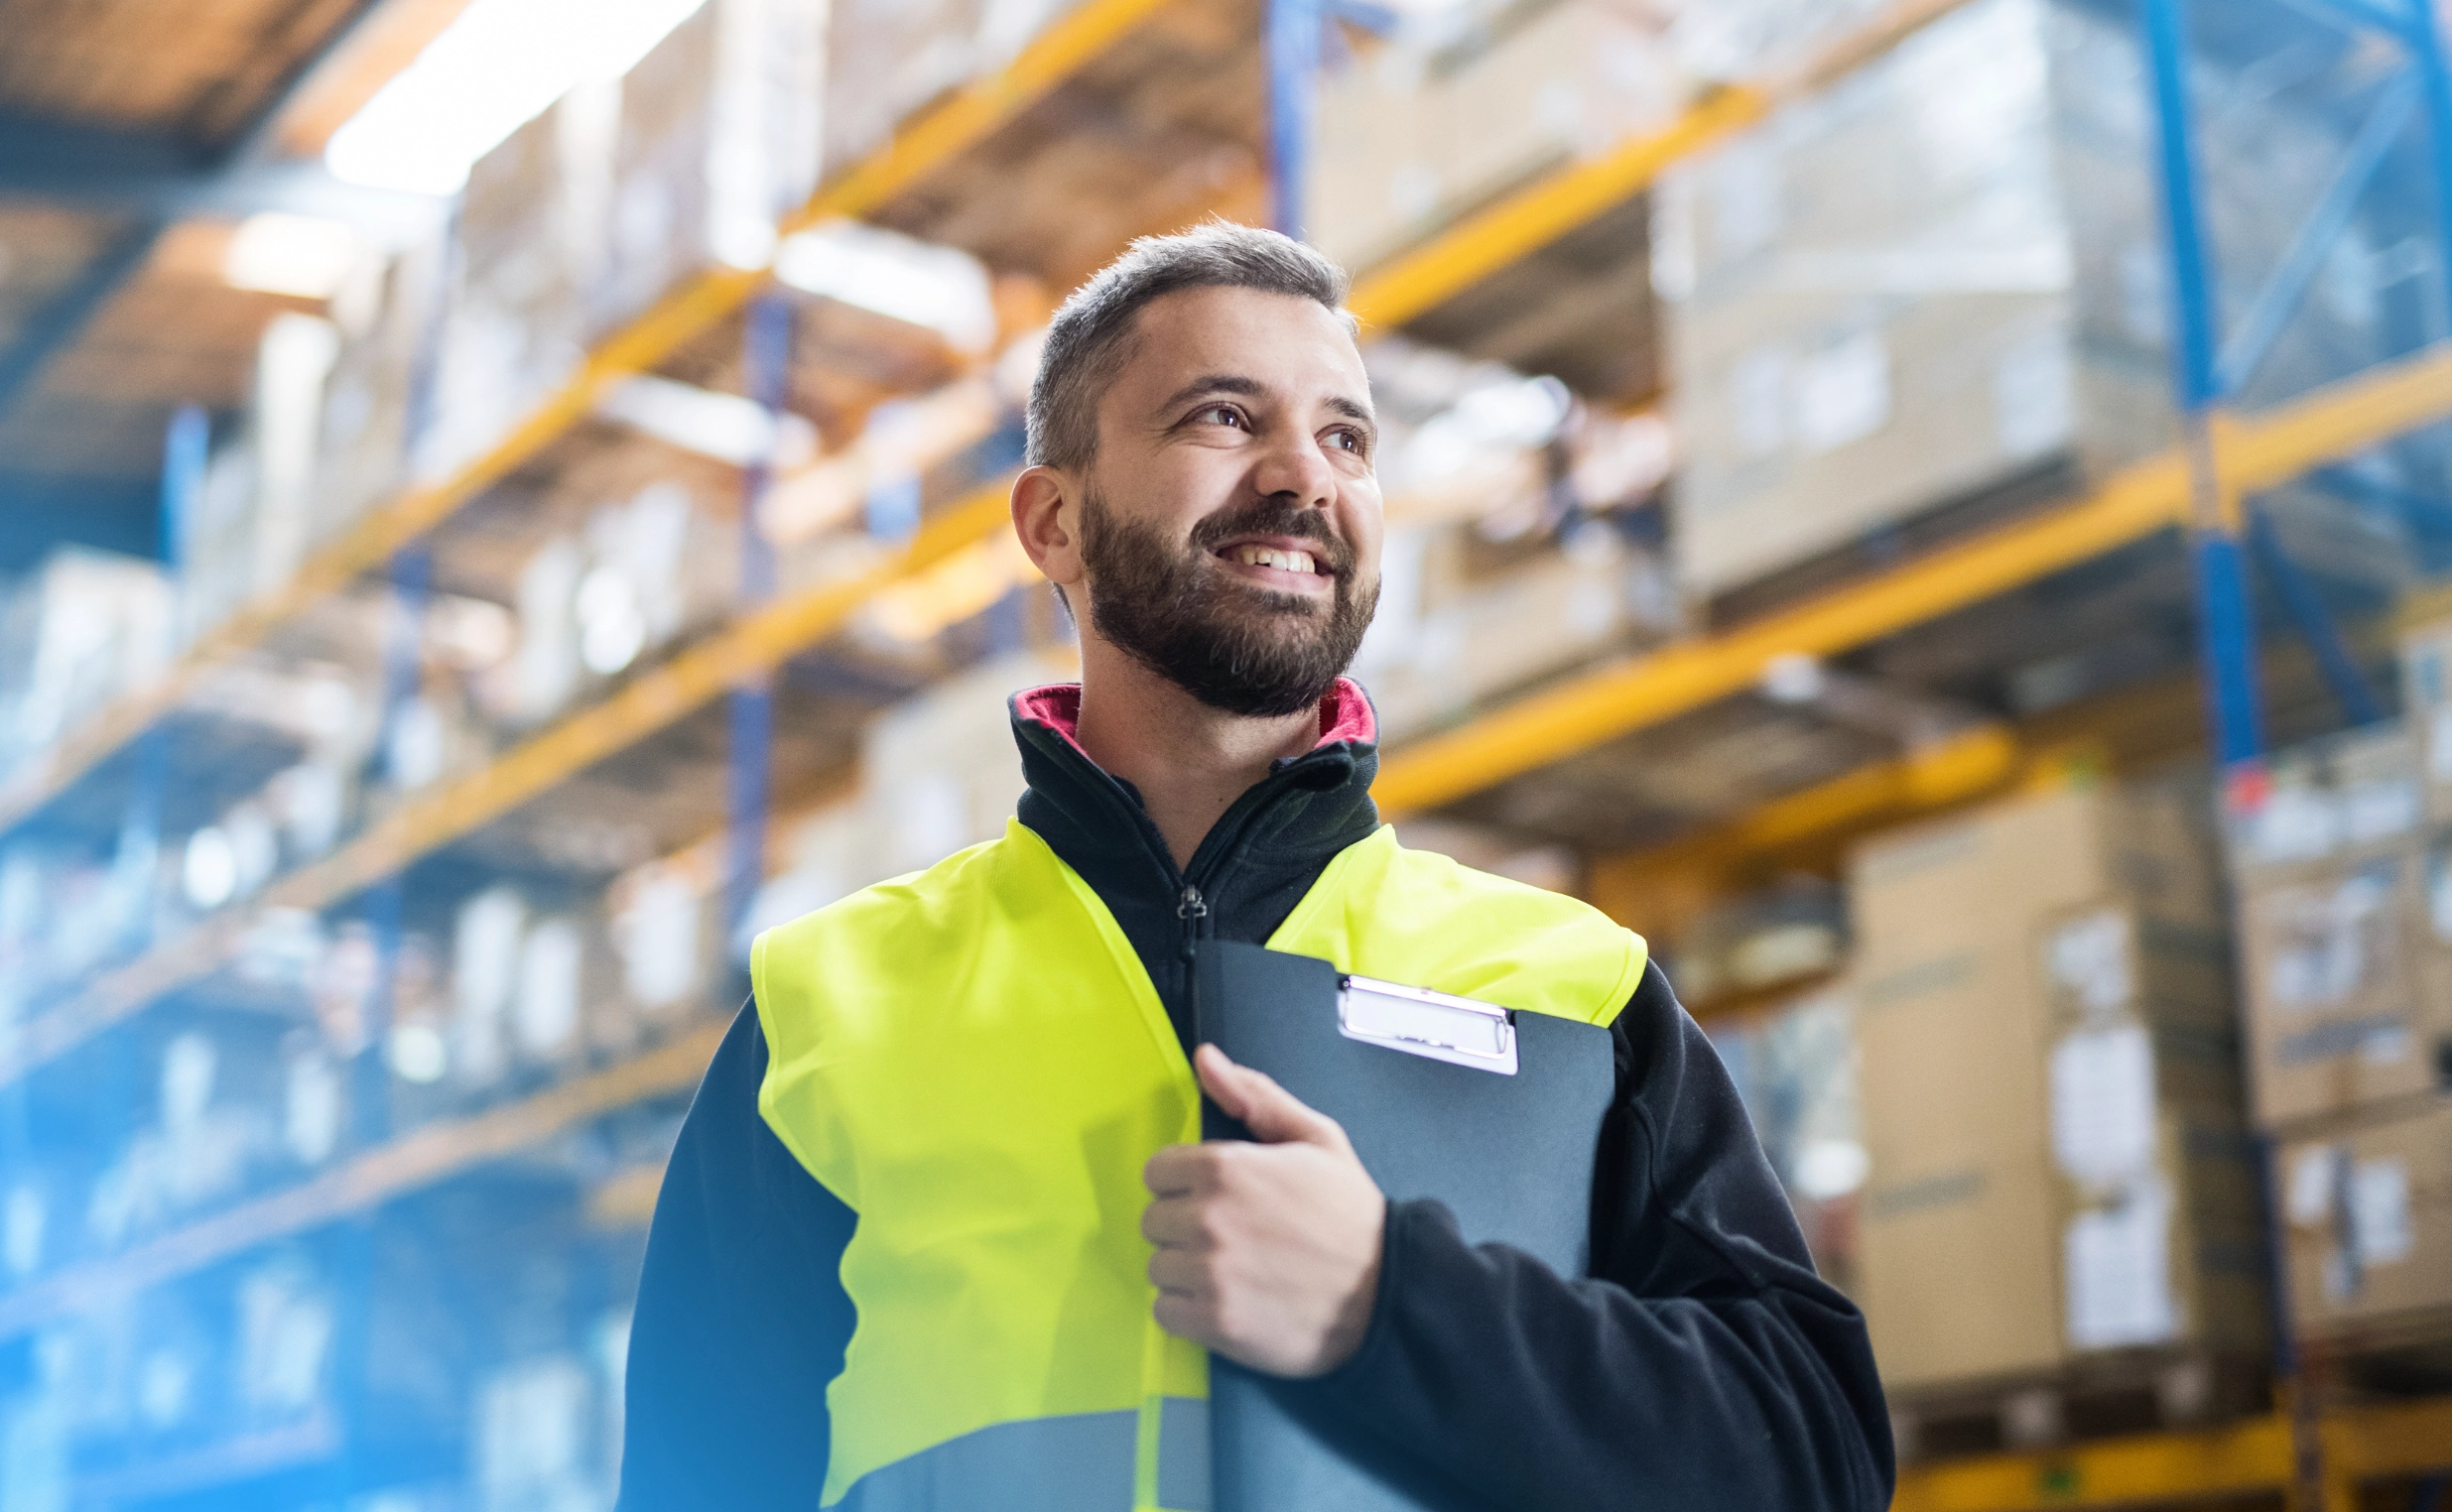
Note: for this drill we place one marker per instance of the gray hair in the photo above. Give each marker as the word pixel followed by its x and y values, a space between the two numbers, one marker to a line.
pixel 1092 339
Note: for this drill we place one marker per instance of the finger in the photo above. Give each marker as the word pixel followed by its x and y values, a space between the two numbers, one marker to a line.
pixel 1181 1171
pixel 1176 1273
pixel 1185 1318
pixel 1274 1115
pixel 1222 1079
pixel 1177 1224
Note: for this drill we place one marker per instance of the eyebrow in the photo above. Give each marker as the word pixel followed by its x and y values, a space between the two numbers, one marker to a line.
pixel 1253 388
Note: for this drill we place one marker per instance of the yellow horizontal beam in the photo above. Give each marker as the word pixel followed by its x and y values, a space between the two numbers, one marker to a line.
pixel 1532 218
pixel 628 1200
pixel 1599 706
pixel 2363 1444
pixel 653 701
pixel 962 122
pixel 1949 771
pixel 417 1160
pixel 2390 1442
pixel 2243 1458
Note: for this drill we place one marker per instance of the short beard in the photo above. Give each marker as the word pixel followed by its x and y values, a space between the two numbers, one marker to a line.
pixel 1236 648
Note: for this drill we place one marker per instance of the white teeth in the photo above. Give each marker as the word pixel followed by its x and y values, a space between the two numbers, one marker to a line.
pixel 1269 555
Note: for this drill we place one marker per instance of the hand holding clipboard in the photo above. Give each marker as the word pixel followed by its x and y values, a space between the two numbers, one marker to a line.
pixel 1495 1114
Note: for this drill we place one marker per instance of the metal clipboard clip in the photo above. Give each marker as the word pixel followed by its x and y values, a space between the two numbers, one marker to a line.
pixel 1419 1021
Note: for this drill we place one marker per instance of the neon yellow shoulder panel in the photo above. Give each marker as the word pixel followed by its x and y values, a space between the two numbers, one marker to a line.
pixel 1418 918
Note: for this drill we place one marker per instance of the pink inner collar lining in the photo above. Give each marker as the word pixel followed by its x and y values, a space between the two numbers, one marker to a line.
pixel 1344 713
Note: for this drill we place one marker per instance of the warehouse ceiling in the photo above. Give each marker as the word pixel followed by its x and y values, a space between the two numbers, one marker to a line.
pixel 135 136
pixel 212 70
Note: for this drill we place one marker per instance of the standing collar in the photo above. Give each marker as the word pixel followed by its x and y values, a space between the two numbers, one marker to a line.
pixel 1344 713
pixel 1306 809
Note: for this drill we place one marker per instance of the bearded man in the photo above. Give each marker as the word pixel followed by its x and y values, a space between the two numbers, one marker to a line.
pixel 940 1235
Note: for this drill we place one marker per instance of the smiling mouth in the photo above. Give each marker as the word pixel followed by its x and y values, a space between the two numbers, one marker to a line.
pixel 1283 558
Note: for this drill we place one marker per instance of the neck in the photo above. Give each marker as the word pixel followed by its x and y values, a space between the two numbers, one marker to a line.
pixel 1190 762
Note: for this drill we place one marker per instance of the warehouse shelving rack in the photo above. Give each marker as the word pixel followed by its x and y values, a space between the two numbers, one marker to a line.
pixel 2228 459
pixel 776 632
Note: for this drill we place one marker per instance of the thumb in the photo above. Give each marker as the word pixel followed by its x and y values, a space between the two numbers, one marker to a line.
pixel 1274 1115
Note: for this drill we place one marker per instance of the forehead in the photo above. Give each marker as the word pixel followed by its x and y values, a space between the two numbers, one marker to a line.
pixel 1293 346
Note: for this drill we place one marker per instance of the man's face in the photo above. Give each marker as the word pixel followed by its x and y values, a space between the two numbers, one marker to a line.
pixel 1230 522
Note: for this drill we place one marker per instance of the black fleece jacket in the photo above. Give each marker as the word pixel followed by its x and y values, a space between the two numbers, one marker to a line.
pixel 1702 1365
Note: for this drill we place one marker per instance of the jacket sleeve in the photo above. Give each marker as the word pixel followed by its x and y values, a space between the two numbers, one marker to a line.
pixel 741 1319
pixel 1704 1364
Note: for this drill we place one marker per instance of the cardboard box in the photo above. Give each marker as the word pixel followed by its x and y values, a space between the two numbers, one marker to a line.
pixel 2052 1111
pixel 717 140
pixel 2370 1222
pixel 2345 908
pixel 2347 795
pixel 1938 279
pixel 2426 702
pixel 1433 124
pixel 387 327
pixel 889 60
pixel 1795 1068
pixel 76 632
pixel 2333 986
pixel 1441 646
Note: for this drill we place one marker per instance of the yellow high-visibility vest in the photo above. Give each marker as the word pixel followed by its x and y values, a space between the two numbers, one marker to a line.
pixel 974 1061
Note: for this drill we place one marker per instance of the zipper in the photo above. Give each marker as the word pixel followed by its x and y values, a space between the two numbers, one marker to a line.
pixel 1193 910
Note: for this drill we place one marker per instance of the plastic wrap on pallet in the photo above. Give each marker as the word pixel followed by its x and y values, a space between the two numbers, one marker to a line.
pixel 1795 1068
pixel 82 629
pixel 887 59
pixel 1875 296
pixel 387 317
pixel 718 139
pixel 1943 276
pixel 1462 103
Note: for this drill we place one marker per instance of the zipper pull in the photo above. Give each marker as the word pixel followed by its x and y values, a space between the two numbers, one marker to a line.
pixel 1192 909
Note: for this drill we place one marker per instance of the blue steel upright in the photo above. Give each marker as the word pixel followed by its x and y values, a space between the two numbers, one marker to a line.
pixel 2226 629
pixel 1292 44
pixel 2208 372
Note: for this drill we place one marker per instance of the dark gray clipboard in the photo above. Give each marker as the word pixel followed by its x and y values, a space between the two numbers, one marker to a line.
pixel 1511 1155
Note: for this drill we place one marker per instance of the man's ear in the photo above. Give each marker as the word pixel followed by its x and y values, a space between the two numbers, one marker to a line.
pixel 1047 518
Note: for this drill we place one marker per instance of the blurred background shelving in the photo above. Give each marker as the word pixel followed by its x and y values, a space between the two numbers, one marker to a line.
pixel 1933 511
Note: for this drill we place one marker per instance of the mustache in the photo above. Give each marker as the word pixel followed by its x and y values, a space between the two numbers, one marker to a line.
pixel 1278 515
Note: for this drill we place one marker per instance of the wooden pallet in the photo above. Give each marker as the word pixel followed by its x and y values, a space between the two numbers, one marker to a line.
pixel 2136 1392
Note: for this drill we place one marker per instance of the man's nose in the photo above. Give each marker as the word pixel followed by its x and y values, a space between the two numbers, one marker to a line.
pixel 1295 465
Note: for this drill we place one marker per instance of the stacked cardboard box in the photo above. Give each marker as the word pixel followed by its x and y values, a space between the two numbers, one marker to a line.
pixel 1795 1066
pixel 589 214
pixel 2370 1211
pixel 2350 1004
pixel 386 318
pixel 1943 276
pixel 77 631
pixel 2059 1164
pixel 889 58
pixel 2344 862
pixel 718 139
pixel 1433 124
pixel 1452 632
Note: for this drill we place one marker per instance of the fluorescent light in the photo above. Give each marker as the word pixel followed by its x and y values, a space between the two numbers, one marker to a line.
pixel 296 255
pixel 497 67
pixel 941 287
pixel 726 427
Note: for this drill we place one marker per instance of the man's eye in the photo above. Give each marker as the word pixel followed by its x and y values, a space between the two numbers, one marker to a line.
pixel 1220 415
pixel 1352 440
